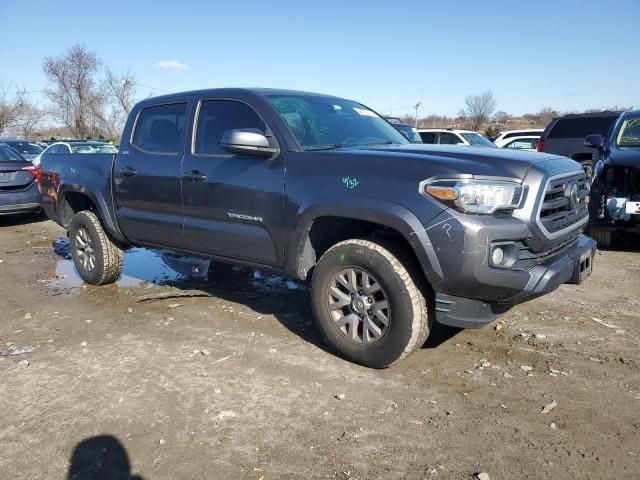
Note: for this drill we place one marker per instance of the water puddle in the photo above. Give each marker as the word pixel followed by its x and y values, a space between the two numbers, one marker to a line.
pixel 144 267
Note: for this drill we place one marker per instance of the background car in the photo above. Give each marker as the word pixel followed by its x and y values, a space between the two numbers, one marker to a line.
pixel 565 135
pixel 410 132
pixel 529 132
pixel 527 143
pixel 26 148
pixel 77 146
pixel 18 187
pixel 449 136
pixel 615 190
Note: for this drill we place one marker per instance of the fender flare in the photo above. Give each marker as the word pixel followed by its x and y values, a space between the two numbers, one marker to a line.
pixel 105 210
pixel 388 214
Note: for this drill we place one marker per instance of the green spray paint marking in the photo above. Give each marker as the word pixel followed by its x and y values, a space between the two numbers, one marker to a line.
pixel 342 258
pixel 350 182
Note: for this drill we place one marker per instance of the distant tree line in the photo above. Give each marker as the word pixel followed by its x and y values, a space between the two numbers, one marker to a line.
pixel 85 99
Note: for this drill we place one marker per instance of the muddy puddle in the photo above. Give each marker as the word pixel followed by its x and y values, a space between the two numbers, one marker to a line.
pixel 146 268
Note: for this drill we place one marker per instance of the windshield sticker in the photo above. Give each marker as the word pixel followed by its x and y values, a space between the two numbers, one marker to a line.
pixel 364 112
pixel 350 182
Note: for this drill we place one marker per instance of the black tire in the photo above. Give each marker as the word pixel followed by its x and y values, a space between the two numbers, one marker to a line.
pixel 106 266
pixel 401 284
pixel 602 237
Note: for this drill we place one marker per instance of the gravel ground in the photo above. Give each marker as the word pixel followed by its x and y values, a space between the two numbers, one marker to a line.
pixel 232 381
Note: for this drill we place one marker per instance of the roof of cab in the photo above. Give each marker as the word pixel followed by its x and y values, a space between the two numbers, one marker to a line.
pixel 231 91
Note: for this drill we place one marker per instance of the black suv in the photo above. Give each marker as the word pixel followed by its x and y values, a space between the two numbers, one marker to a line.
pixel 565 135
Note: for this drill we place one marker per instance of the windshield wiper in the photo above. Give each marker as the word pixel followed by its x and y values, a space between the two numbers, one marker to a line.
pixel 326 147
pixel 388 142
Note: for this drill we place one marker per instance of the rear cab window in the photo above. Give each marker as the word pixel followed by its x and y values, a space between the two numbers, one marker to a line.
pixel 160 128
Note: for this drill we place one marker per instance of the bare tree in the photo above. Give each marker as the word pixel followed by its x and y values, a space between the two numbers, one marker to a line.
pixel 478 109
pixel 501 117
pixel 121 89
pixel 11 107
pixel 31 119
pixel 74 92
pixel 546 115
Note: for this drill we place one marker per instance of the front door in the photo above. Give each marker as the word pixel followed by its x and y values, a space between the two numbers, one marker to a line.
pixel 148 176
pixel 233 203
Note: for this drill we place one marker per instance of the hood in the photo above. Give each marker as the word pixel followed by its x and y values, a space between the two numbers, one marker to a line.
pixel 477 161
pixel 629 157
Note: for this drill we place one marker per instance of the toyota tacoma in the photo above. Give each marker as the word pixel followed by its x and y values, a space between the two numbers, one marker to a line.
pixel 391 235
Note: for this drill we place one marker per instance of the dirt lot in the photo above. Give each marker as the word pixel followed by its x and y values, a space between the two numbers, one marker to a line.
pixel 234 383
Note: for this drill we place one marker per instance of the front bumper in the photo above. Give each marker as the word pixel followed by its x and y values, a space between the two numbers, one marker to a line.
pixel 23 201
pixel 573 265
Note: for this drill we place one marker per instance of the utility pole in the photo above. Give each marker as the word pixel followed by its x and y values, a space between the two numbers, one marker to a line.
pixel 417 106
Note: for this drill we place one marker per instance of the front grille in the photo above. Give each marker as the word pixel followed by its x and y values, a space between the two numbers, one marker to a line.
pixel 564 203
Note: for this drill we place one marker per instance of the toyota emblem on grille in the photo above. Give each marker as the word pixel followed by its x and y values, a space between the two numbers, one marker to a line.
pixel 571 192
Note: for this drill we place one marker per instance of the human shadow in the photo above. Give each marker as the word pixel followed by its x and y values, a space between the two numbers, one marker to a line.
pixel 102 457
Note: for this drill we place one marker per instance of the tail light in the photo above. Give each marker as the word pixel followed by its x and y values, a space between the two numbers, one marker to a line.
pixel 540 145
pixel 36 171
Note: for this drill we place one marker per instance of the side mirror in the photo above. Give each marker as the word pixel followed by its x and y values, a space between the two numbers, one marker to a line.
pixel 594 141
pixel 248 141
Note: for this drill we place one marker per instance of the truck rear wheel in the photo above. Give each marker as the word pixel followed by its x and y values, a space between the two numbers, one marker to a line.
pixel 367 302
pixel 96 257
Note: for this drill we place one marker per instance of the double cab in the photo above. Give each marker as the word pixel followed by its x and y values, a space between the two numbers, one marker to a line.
pixel 392 236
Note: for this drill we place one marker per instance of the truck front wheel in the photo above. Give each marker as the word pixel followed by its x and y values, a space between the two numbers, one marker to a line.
pixel 367 302
pixel 96 257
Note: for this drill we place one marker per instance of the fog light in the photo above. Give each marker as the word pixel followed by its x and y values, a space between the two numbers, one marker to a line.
pixel 497 256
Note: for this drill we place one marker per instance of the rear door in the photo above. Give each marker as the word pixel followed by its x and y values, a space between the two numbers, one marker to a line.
pixel 148 176
pixel 233 203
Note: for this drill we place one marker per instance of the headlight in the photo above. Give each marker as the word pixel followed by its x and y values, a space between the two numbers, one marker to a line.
pixel 475 196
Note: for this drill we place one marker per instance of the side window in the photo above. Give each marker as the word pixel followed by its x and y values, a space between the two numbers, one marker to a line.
pixel 521 144
pixel 447 138
pixel 428 137
pixel 218 116
pixel 160 129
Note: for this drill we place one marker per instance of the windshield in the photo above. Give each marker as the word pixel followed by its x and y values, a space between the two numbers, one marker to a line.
pixel 7 154
pixel 629 136
pixel 26 147
pixel 477 140
pixel 325 122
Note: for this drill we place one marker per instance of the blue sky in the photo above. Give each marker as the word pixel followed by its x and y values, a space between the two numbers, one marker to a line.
pixel 564 54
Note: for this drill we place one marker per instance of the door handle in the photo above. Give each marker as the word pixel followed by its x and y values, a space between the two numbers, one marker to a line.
pixel 129 172
pixel 195 176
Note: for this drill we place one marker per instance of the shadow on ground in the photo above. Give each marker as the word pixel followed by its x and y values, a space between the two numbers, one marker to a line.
pixel 265 293
pixel 100 458
pixel 15 220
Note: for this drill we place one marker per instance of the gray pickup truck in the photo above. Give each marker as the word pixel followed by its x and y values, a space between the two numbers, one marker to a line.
pixel 391 235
